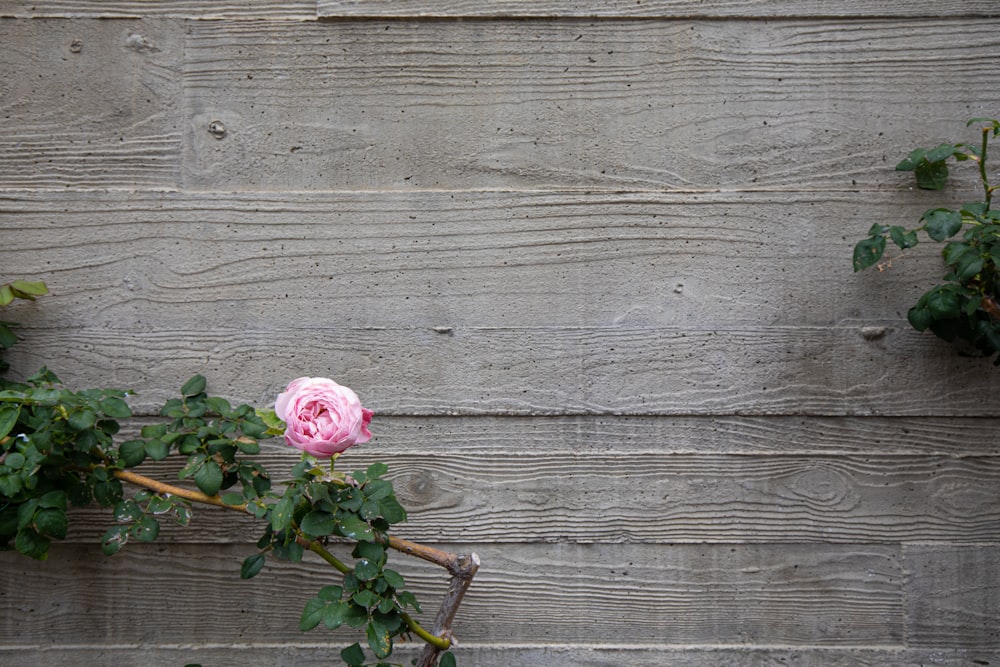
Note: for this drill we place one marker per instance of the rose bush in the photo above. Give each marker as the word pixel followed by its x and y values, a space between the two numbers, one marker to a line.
pixel 58 448
pixel 322 417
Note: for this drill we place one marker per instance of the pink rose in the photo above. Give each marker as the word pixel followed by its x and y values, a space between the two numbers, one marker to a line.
pixel 322 418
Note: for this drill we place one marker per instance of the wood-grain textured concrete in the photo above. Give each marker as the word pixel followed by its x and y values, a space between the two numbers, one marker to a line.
pixel 590 264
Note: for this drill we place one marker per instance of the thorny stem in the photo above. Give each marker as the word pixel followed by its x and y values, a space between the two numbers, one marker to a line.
pixel 449 561
pixel 982 169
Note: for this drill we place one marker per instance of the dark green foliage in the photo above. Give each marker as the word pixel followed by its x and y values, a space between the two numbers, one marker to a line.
pixel 965 307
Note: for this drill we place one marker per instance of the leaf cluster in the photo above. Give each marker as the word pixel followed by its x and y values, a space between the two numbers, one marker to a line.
pixel 56 448
pixel 965 306
pixel 317 505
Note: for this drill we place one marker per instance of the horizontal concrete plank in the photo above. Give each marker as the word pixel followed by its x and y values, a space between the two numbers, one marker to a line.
pixel 829 596
pixel 739 104
pixel 449 260
pixel 545 371
pixel 91 104
pixel 196 9
pixel 612 498
pixel 954 593
pixel 550 654
pixel 653 8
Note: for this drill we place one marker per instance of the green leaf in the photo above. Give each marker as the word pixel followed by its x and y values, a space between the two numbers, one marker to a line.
pixel 108 493
pixel 903 238
pixel 249 447
pixel 209 478
pixel 131 453
pixel 31 544
pixel 393 578
pixel 157 449
pixel 6 295
pixel 194 386
pixel 353 655
pixel 275 426
pixel 146 529
pixel 391 510
pixel 281 514
pixel 114 539
pixel 127 511
pixel 53 499
pixel 7 336
pixel 968 267
pixel 943 304
pixel 81 420
pixel 352 527
pixel 379 638
pixel 378 489
pixel 373 551
pixel 15 460
pixel 154 431
pixel 910 162
pixel 406 598
pixel 193 465
pixel 29 288
pixel 9 413
pixel 335 614
pixel 159 505
pixel 365 598
pixel 116 408
pixel 868 251
pixel 312 614
pixel 331 593
pixel 931 175
pixel 10 485
pixel 252 566
pixel 218 405
pixel 318 524
pixel 52 522
pixel 942 223
pixel 232 498
pixel 941 153
pixel 447 660
pixel 377 469
pixel 370 510
pixel 366 570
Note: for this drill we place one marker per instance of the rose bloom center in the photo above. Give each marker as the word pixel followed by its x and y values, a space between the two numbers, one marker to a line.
pixel 319 418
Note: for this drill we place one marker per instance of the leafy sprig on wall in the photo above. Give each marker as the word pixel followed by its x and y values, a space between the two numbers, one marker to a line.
pixel 965 305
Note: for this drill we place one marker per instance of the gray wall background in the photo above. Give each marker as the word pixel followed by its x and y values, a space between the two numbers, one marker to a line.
pixel 589 262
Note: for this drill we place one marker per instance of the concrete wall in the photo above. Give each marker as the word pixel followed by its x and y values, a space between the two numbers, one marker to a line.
pixel 589 262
